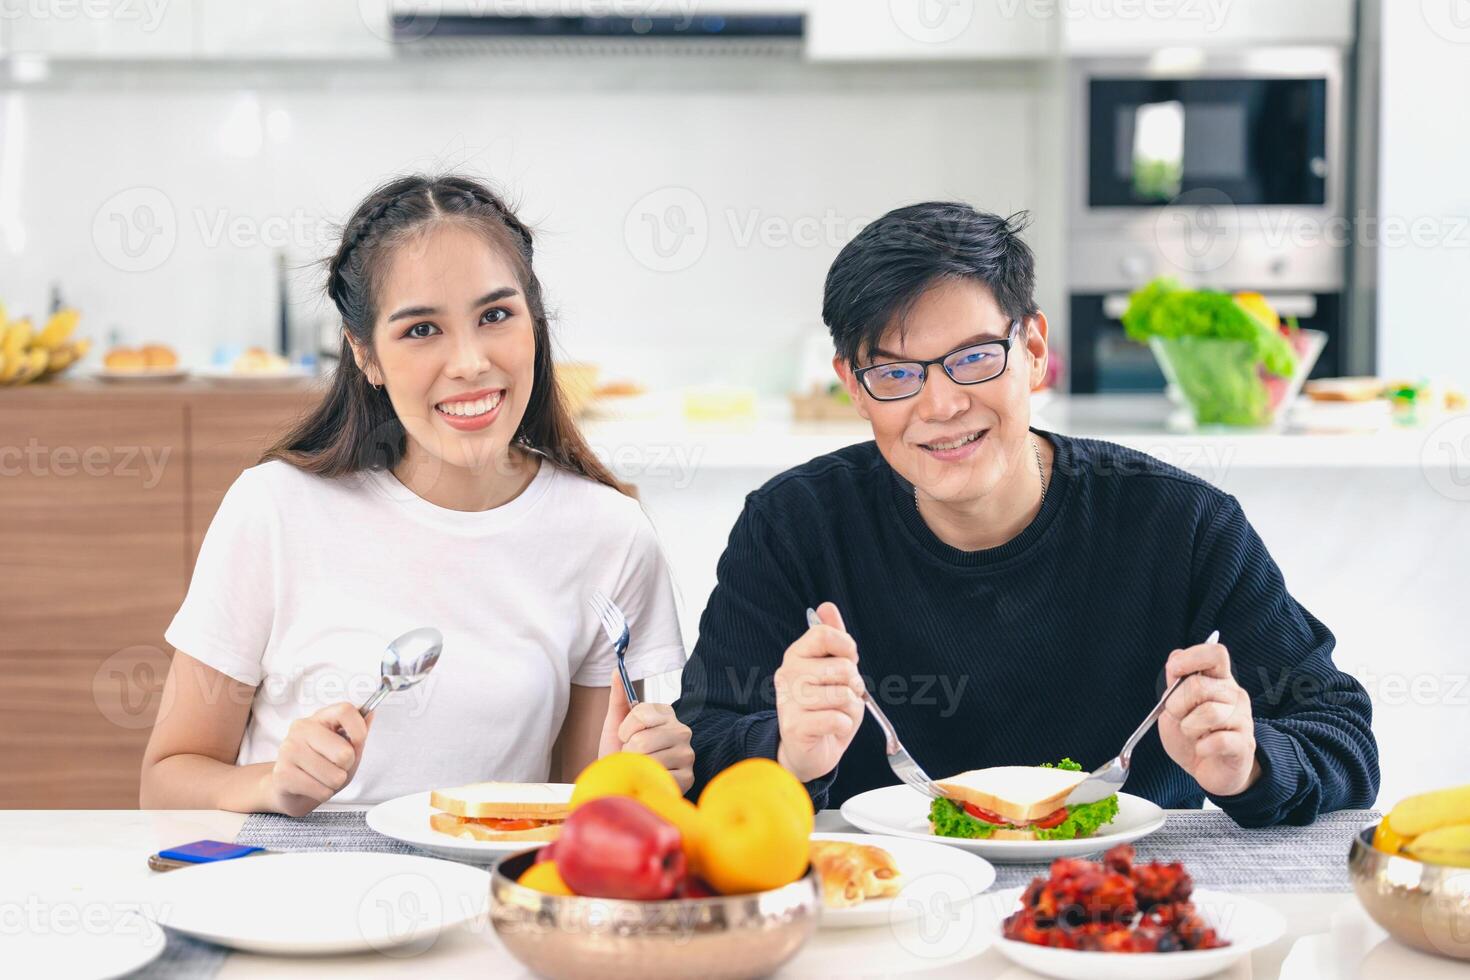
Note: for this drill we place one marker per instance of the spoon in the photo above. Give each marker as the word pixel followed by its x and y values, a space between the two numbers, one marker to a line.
pixel 406 661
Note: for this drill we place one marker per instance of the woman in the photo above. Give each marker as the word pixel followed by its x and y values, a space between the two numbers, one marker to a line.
pixel 440 483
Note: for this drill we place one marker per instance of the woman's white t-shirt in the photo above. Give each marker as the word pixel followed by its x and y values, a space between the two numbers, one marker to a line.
pixel 302 580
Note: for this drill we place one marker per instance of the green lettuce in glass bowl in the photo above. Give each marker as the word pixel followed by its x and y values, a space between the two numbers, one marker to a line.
pixel 1225 363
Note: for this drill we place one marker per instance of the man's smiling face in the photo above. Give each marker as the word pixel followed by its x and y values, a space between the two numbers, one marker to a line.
pixel 955 443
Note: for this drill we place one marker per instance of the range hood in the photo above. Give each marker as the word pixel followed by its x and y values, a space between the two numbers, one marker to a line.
pixel 769 28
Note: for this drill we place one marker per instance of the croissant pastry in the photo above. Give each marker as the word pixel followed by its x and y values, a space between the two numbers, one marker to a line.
pixel 852 873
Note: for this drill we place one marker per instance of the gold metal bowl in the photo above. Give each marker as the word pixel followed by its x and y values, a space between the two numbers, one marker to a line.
pixel 1423 905
pixel 728 937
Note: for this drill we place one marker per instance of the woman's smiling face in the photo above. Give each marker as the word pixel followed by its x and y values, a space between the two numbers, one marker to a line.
pixel 454 345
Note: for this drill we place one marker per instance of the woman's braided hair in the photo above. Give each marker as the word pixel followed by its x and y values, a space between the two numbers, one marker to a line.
pixel 355 427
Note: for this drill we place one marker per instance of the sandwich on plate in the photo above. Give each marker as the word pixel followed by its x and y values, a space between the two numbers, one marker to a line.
pixel 501 811
pixel 1018 803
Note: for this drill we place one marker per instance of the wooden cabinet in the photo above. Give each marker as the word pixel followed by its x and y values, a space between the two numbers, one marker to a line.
pixel 227 433
pixel 105 494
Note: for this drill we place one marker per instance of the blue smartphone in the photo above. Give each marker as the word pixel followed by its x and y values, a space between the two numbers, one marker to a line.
pixel 200 852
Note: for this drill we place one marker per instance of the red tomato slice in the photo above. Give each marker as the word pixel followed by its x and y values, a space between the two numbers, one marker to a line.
pixel 985 815
pixel 1053 819
pixel 507 823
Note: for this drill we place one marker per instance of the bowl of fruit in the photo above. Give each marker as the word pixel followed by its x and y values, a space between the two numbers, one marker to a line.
pixel 641 883
pixel 1411 872
pixel 1230 360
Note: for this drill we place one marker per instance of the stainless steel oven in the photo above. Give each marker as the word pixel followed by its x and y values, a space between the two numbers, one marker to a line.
pixel 1224 170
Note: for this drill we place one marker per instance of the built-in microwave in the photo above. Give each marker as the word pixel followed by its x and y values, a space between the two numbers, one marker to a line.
pixel 1254 141
pixel 1222 170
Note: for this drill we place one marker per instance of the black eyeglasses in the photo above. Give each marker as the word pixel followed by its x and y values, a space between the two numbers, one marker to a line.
pixel 972 365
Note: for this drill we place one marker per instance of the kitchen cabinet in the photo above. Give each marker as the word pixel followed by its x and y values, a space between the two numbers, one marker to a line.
pixel 1143 26
pixel 107 493
pixel 290 29
pixel 92 562
pixel 199 29
pixel 101 29
pixel 227 433
pixel 929 30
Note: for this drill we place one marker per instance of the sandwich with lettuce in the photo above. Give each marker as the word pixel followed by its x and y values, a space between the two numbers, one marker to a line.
pixel 1018 803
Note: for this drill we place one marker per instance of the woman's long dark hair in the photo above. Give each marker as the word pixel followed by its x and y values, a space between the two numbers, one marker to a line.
pixel 355 428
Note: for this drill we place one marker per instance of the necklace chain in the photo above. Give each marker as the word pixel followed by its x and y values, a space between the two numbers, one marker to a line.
pixel 1040 471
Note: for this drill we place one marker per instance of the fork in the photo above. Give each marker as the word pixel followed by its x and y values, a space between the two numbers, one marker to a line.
pixel 615 625
pixel 899 760
pixel 1109 777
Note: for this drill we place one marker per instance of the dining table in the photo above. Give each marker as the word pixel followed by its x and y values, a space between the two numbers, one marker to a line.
pixel 89 869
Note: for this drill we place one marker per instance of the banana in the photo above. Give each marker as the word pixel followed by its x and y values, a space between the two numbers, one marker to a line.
pixel 17 337
pixel 1429 811
pixel 1448 845
pixel 33 365
pixel 57 329
pixel 66 355
pixel 61 359
pixel 10 366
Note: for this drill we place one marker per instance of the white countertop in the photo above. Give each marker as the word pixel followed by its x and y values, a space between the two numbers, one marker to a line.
pixel 100 857
pixel 1318 437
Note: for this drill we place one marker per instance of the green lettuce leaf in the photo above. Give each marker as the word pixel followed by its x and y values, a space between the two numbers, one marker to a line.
pixel 1164 308
pixel 1067 764
pixel 949 819
pixel 1082 820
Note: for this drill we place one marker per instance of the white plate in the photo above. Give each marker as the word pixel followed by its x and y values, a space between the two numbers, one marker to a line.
pixel 926 868
pixel 83 952
pixel 320 902
pixel 407 819
pixel 229 376
pixel 904 812
pixel 145 374
pixel 1246 923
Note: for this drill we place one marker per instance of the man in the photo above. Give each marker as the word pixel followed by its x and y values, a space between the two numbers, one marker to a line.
pixel 1009 596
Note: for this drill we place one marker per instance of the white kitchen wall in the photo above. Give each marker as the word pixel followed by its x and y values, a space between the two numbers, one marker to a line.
pixel 687 209
pixel 1423 241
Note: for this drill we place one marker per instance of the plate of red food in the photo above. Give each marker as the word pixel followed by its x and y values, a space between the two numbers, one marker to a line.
pixel 1128 920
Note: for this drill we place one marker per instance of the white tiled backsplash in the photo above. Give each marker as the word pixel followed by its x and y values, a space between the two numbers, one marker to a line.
pixel 157 198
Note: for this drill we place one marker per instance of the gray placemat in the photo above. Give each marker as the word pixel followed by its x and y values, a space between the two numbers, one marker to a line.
pixel 323 830
pixel 184 959
pixel 1219 853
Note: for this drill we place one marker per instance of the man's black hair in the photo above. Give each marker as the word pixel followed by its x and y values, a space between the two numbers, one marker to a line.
pixel 879 275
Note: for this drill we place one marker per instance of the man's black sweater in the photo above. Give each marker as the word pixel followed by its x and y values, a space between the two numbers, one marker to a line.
pixel 1050 645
